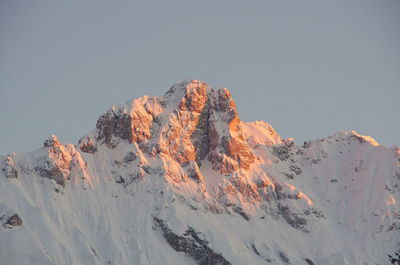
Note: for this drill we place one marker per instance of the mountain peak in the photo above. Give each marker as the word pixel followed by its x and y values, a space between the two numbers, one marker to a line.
pixel 357 136
pixel 51 141
pixel 191 122
pixel 182 170
pixel 193 95
pixel 183 87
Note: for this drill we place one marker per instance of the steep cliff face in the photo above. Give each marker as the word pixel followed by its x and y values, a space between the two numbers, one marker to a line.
pixel 180 179
pixel 191 122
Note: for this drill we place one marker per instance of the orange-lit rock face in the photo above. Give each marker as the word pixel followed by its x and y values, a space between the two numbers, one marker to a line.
pixel 195 97
pixel 132 122
pixel 239 150
pixel 143 113
pixel 58 153
pixel 62 162
pixel 177 134
pixel 229 150
pixel 190 122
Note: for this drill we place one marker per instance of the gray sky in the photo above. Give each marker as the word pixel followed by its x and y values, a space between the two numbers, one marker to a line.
pixel 309 68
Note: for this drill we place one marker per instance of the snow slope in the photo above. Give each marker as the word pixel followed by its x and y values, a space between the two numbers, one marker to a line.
pixel 179 179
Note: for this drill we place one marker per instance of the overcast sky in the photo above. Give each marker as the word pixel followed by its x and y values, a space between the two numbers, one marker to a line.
pixel 309 68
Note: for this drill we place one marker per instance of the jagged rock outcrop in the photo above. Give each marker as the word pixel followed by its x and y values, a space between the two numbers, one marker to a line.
pixel 191 122
pixel 192 245
pixel 87 145
pixel 10 168
pixel 13 220
pixel 55 163
pixel 58 162
pixel 8 218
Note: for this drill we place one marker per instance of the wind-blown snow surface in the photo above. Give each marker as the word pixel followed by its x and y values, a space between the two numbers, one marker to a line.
pixel 156 168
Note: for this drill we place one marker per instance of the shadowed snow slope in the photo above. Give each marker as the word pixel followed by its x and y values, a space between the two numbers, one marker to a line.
pixel 180 179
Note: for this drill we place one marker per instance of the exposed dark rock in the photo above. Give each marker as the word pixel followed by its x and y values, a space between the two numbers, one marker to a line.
pixel 10 169
pixel 223 163
pixel 193 171
pixel 114 124
pixel 316 212
pixel 201 137
pixel 47 169
pixel 51 141
pixel 253 247
pixel 281 151
pixel 284 150
pixel 280 195
pixel 315 161
pixel 135 176
pixel 87 145
pixel 240 211
pixel 12 221
pixel 122 127
pixel 56 163
pixel 249 191
pixel 284 258
pixel 120 180
pixel 292 219
pixel 131 156
pixel 117 163
pixel 309 261
pixel 360 139
pixel 11 172
pixel 295 169
pixel 146 169
pixel 359 167
pixel 288 175
pixel 192 245
pixel 306 144
pixel 213 136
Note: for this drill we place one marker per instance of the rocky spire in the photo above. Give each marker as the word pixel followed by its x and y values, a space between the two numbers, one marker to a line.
pixel 191 122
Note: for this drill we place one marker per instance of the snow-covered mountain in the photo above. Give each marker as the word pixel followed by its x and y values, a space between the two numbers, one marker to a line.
pixel 180 179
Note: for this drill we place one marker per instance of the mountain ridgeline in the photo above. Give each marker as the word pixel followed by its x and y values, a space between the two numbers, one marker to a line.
pixel 180 179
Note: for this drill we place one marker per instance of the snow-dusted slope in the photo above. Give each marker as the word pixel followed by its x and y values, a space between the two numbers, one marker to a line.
pixel 179 179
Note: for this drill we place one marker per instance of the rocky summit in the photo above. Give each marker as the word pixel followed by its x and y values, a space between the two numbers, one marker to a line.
pixel 190 123
pixel 180 179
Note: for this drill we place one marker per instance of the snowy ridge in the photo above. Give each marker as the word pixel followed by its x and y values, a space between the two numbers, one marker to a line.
pixel 179 179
